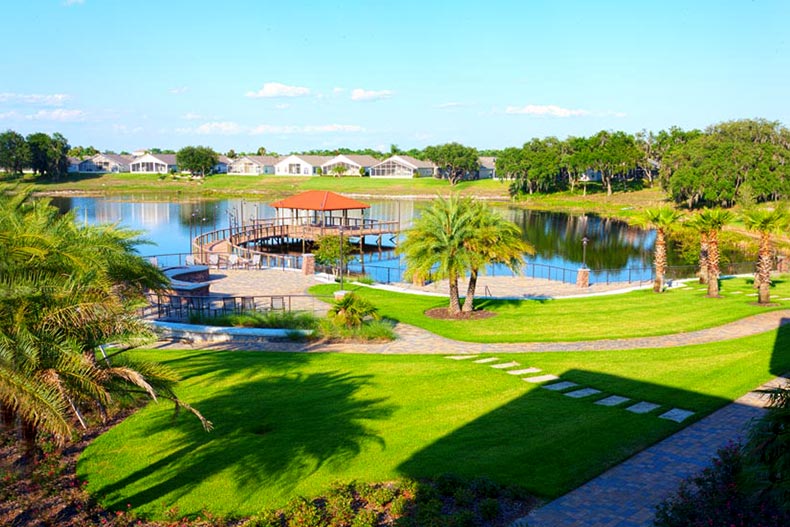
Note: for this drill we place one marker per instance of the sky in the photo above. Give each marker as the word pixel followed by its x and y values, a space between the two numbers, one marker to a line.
pixel 298 75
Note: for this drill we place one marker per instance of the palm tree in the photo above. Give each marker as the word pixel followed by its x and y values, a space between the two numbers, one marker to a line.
pixel 436 244
pixel 701 229
pixel 65 291
pixel 765 222
pixel 495 241
pixel 662 219
pixel 712 221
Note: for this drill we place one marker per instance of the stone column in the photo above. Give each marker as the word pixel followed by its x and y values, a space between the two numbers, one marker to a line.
pixel 308 264
pixel 583 278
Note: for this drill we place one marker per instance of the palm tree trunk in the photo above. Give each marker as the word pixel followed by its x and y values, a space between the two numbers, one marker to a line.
pixel 455 303
pixel 713 264
pixel 703 258
pixel 764 270
pixel 660 260
pixel 29 433
pixel 8 417
pixel 470 292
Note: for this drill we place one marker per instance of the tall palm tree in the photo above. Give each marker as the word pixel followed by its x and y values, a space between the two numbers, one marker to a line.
pixel 495 241
pixel 712 221
pixel 698 226
pixel 65 290
pixel 662 219
pixel 766 223
pixel 436 244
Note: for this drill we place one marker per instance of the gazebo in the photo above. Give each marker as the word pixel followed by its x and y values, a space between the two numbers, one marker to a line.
pixel 315 208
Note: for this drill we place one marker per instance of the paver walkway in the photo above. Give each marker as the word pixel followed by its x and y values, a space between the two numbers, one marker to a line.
pixel 627 494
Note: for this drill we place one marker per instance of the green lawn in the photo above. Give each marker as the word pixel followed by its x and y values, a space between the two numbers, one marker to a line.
pixel 636 314
pixel 291 424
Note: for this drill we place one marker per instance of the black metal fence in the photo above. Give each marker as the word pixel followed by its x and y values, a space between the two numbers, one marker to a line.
pixel 183 308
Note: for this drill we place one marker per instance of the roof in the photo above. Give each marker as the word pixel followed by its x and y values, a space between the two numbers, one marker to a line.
pixel 75 160
pixel 169 159
pixel 488 162
pixel 262 160
pixel 115 158
pixel 408 160
pixel 359 159
pixel 315 161
pixel 322 200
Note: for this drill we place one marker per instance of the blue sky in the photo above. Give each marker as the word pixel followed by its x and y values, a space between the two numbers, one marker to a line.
pixel 297 75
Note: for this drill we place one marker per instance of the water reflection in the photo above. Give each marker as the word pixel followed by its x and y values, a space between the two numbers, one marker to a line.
pixel 556 237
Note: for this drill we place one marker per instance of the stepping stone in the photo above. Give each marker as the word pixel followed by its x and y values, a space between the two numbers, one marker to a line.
pixel 642 407
pixel 584 392
pixel 484 361
pixel 612 400
pixel 541 378
pixel 752 294
pixel 462 357
pixel 505 365
pixel 559 386
pixel 676 414
pixel 736 293
pixel 524 371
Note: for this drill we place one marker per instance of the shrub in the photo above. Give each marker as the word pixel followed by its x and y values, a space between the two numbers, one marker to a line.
pixel 464 518
pixel 399 506
pixel 489 509
pixel 463 496
pixel 252 319
pixel 429 514
pixel 267 518
pixel 484 488
pixel 352 310
pixel 366 518
pixel 380 496
pixel 301 512
pixel 448 484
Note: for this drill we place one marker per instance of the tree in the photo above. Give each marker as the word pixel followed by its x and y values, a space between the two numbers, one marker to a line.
pixel 455 161
pixel 613 154
pixel 713 221
pixel 67 290
pixel 699 226
pixel 231 154
pixel 495 241
pixel 82 152
pixel 197 159
pixel 436 244
pixel 261 151
pixel 49 155
pixel 14 152
pixel 338 170
pixel 662 219
pixel 352 310
pixel 329 251
pixel 766 223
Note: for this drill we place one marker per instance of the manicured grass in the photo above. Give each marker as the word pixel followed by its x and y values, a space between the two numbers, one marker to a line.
pixel 276 186
pixel 291 424
pixel 635 314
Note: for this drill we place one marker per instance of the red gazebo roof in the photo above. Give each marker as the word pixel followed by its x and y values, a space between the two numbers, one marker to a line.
pixel 321 200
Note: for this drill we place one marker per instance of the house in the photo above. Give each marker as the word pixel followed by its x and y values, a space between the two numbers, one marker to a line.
pixel 74 164
pixel 253 165
pixel 154 164
pixel 487 168
pixel 349 165
pixel 402 167
pixel 106 163
pixel 300 165
pixel 591 176
pixel 222 165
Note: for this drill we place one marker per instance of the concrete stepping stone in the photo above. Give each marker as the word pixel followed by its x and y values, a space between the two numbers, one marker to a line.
pixel 505 365
pixel 642 407
pixel 462 357
pixel 612 400
pixel 736 293
pixel 752 294
pixel 542 378
pixel 524 371
pixel 485 361
pixel 559 386
pixel 584 392
pixel 677 415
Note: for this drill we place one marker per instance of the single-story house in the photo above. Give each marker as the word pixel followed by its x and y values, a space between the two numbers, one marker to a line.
pixel 300 165
pixel 154 164
pixel 591 176
pixel 222 165
pixel 487 168
pixel 351 165
pixel 74 164
pixel 402 167
pixel 106 163
pixel 253 165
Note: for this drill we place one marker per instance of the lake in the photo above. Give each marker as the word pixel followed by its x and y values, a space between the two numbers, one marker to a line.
pixel 615 251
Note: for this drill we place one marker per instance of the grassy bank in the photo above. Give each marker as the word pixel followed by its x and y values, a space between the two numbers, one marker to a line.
pixel 292 424
pixel 636 314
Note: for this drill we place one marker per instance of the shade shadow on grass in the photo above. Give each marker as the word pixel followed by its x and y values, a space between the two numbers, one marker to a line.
pixel 263 437
pixel 573 443
pixel 780 358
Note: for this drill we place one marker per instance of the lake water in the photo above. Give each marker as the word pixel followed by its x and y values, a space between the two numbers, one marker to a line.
pixel 615 251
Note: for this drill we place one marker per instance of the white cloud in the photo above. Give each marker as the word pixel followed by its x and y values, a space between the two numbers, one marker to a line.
pixel 276 89
pixel 282 106
pixel 264 129
pixel 358 94
pixel 123 129
pixel 191 116
pixel 59 114
pixel 338 90
pixel 550 110
pixel 178 90
pixel 219 128
pixel 9 115
pixel 54 99
pixel 69 3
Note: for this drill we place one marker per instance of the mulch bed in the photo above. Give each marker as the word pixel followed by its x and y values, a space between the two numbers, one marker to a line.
pixel 442 313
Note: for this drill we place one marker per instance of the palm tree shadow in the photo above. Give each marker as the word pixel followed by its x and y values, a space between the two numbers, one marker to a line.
pixel 780 358
pixel 269 433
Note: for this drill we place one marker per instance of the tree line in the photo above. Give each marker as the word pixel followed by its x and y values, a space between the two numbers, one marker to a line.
pixel 46 155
